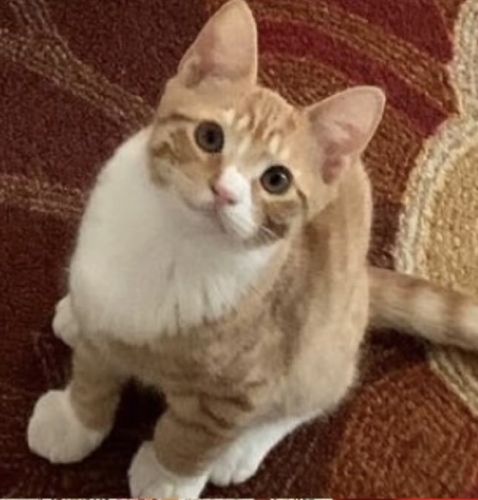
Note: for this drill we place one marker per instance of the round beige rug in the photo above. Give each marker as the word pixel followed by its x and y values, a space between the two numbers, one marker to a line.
pixel 438 235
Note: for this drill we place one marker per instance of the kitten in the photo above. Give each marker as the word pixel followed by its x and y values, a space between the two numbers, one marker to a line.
pixel 222 258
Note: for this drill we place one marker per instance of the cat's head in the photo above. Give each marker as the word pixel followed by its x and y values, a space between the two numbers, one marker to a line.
pixel 237 152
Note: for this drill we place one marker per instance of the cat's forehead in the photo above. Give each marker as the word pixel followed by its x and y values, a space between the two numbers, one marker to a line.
pixel 264 120
pixel 263 114
pixel 259 124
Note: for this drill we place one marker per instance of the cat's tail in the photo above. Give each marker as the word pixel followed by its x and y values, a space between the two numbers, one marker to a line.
pixel 420 308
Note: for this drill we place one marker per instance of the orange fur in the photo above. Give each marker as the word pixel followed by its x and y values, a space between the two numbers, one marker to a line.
pixel 289 347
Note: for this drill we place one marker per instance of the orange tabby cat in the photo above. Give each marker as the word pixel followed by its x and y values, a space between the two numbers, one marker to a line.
pixel 222 259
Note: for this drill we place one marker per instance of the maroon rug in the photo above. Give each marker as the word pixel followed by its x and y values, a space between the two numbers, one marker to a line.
pixel 76 78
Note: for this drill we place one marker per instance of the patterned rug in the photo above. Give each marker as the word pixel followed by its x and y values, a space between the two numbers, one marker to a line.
pixel 77 77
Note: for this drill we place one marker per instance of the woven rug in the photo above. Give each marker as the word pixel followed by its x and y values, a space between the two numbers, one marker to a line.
pixel 77 77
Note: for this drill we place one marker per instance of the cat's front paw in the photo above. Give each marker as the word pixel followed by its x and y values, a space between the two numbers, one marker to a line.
pixel 56 433
pixel 236 465
pixel 65 325
pixel 148 479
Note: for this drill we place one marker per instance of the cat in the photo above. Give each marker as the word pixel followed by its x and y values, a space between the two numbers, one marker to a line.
pixel 222 258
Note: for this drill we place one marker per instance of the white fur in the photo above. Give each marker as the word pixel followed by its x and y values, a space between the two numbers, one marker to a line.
pixel 244 457
pixel 65 325
pixel 285 154
pixel 56 433
pixel 229 116
pixel 274 145
pixel 243 146
pixel 236 183
pixel 146 264
pixel 149 479
pixel 239 217
pixel 243 123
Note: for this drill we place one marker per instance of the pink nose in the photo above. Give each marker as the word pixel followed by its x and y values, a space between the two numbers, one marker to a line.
pixel 222 195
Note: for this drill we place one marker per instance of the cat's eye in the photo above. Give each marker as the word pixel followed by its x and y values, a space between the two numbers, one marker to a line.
pixel 209 137
pixel 276 179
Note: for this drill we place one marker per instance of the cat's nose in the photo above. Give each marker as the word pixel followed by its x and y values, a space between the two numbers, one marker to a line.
pixel 222 195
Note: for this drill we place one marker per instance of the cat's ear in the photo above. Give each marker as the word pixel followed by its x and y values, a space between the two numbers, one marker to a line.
pixel 226 48
pixel 344 124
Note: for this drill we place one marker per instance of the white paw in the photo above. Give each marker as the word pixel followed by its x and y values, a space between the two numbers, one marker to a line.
pixel 56 433
pixel 148 479
pixel 236 465
pixel 65 325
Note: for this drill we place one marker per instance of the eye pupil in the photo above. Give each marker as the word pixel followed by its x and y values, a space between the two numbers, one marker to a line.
pixel 209 137
pixel 276 179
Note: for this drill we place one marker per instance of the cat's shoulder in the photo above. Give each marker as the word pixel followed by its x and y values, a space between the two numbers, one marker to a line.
pixel 124 179
pixel 131 153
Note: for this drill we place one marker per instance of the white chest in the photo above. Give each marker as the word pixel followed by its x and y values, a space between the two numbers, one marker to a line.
pixel 145 266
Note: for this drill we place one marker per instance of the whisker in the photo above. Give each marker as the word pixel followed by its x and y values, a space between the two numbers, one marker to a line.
pixel 263 234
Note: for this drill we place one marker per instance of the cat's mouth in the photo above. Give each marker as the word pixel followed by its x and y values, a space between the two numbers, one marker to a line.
pixel 229 219
pixel 207 208
pixel 235 220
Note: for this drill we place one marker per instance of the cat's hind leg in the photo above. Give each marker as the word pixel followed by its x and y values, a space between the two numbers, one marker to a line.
pixel 245 455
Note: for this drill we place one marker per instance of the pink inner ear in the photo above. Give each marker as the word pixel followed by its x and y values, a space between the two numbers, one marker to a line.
pixel 339 142
pixel 344 124
pixel 332 167
pixel 343 139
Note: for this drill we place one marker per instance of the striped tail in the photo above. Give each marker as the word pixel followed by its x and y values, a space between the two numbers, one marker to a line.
pixel 420 308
